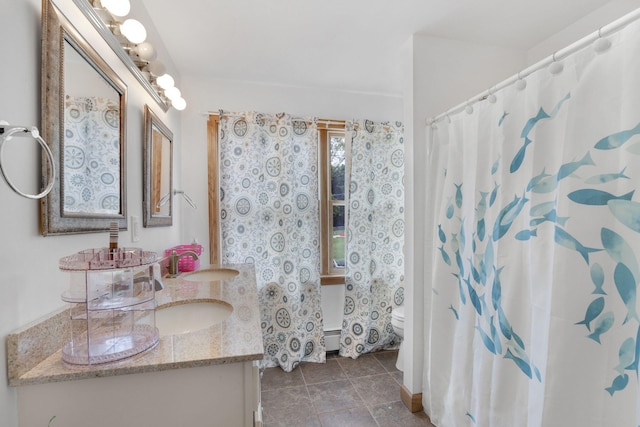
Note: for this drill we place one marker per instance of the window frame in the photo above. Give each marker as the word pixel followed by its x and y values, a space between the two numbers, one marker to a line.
pixel 329 275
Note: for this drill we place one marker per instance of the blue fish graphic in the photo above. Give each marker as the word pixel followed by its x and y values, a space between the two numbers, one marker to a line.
pixel 496 164
pixel 473 296
pixel 626 354
pixel 486 340
pixel 473 242
pixel 496 289
pixel 634 149
pixel 617 139
pixel 481 229
pixel 626 286
pixel 441 235
pixel 532 122
pixel 546 184
pixel 607 177
pixel 627 212
pixel 526 234
pixel 474 272
pixel 563 238
pixel 619 250
pixel 455 245
pixel 482 204
pixel 463 297
pixel 454 311
pixel 551 217
pixel 593 311
pixel 471 417
pixel 569 168
pixel 449 208
pixel 603 324
pixel 494 193
pixel 519 157
pixel 634 365
pixel 494 337
pixel 506 217
pixel 517 339
pixel 463 236
pixel 505 327
pixel 597 277
pixel 589 196
pixel 619 383
pixel 542 208
pixel 458 195
pixel 536 179
pixel 504 116
pixel 435 291
pixel 524 366
pixel 488 255
pixel 445 256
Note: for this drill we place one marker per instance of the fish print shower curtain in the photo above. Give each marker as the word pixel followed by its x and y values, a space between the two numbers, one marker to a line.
pixel 531 313
pixel 269 217
pixel 374 266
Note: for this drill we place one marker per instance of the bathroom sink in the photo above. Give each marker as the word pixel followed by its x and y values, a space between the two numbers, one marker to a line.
pixel 183 318
pixel 211 275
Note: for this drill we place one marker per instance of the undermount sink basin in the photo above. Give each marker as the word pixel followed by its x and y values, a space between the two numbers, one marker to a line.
pixel 211 275
pixel 183 318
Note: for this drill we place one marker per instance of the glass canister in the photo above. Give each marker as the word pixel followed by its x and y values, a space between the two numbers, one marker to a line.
pixel 112 304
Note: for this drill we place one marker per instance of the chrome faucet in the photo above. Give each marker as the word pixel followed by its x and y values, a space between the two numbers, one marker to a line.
pixel 173 261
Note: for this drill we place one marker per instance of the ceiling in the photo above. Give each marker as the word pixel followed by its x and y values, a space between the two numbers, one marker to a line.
pixel 341 44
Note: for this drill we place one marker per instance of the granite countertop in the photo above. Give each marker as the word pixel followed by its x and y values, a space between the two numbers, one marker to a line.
pixel 236 339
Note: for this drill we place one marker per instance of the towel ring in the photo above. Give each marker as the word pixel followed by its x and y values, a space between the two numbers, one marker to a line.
pixel 5 134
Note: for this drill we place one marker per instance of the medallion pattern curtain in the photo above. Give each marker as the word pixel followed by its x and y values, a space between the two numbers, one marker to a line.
pixel 374 265
pixel 91 155
pixel 269 217
pixel 532 315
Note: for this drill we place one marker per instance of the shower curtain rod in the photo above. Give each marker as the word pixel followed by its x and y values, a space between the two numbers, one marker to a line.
pixel 556 56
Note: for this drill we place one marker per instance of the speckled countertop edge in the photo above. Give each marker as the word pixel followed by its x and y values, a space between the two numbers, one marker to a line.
pixel 236 339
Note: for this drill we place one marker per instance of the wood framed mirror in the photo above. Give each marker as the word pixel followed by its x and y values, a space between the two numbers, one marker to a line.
pixel 83 121
pixel 157 156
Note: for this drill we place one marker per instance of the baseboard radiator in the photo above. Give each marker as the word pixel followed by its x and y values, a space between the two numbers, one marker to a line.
pixel 332 340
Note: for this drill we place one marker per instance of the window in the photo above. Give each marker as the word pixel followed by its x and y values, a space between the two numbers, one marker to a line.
pixel 332 202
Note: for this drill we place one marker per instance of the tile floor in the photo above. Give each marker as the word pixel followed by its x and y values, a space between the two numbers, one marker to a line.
pixel 342 392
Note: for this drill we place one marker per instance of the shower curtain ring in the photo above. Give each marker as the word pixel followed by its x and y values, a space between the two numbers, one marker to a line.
pixel 521 83
pixel 491 98
pixel 601 44
pixel 555 67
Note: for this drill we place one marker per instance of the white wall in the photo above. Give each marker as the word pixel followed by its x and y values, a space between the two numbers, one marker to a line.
pixel 30 282
pixel 440 73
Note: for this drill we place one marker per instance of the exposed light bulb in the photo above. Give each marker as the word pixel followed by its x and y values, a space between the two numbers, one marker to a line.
pixel 133 30
pixel 117 7
pixel 172 93
pixel 146 51
pixel 165 81
pixel 156 68
pixel 179 104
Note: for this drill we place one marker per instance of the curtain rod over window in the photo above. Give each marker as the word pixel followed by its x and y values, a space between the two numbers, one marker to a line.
pixel 556 56
pixel 329 123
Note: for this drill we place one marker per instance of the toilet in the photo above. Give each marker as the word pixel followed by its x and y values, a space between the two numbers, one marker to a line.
pixel 397 321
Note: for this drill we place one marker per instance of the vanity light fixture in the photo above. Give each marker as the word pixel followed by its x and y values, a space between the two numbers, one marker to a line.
pixel 131 36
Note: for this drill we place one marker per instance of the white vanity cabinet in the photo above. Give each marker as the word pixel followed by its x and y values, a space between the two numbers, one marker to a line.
pixel 225 395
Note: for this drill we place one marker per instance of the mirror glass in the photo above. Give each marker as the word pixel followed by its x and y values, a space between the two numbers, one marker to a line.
pixel 157 170
pixel 83 121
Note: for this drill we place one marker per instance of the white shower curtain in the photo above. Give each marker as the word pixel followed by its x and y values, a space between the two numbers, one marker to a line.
pixel 531 315
pixel 269 217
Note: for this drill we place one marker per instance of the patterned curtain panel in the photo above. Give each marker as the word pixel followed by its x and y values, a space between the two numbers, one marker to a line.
pixel 269 217
pixel 374 271
pixel 91 155
pixel 532 319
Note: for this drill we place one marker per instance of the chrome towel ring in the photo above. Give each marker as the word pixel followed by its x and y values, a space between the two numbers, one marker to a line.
pixel 6 133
